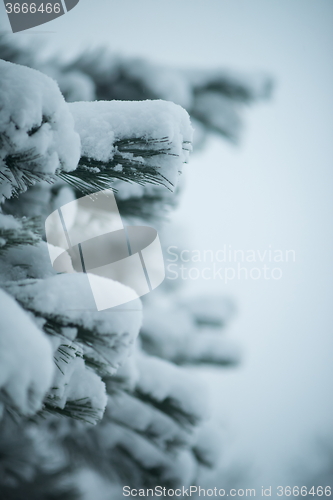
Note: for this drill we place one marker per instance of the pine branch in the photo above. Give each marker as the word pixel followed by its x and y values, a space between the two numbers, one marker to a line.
pixel 9 407
pixel 215 353
pixel 27 232
pixel 23 169
pixel 123 462
pixel 92 339
pixel 149 206
pixel 79 409
pixel 235 88
pixel 98 366
pixel 116 463
pixel 153 435
pixel 207 359
pixel 201 457
pixel 170 407
pixel 66 354
pixel 100 344
pixel 131 162
pixel 45 485
pixel 23 474
pixel 13 50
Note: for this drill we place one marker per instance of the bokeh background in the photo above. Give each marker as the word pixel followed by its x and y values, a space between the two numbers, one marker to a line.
pixel 275 188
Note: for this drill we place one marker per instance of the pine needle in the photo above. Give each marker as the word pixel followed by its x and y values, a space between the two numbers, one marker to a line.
pixel 131 162
pixel 28 233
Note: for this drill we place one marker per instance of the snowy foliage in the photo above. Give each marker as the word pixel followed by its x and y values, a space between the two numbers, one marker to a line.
pixel 98 392
pixel 147 136
pixel 187 329
pixel 26 364
pixel 37 134
pixel 139 142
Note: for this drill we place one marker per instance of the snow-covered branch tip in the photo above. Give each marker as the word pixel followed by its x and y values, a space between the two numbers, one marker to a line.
pixel 142 142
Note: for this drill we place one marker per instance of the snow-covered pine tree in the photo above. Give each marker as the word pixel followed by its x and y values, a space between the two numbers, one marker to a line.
pixel 79 391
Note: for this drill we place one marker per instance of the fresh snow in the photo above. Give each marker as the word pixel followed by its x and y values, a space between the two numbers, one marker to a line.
pixel 162 380
pixel 74 382
pixel 144 418
pixel 189 329
pixel 8 222
pixel 26 358
pixel 101 123
pixel 35 122
pixel 69 297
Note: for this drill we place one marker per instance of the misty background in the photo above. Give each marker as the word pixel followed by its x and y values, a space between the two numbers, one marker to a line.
pixel 274 189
